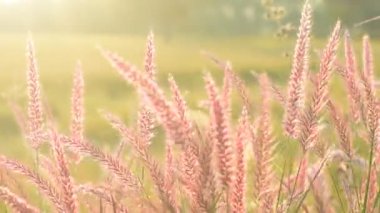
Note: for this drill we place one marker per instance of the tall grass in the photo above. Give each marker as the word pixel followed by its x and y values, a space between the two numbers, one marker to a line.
pixel 220 167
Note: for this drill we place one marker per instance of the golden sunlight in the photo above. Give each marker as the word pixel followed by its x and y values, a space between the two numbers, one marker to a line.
pixel 11 2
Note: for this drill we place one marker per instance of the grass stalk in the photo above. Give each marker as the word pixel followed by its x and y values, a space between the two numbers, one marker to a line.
pixel 364 210
pixel 281 184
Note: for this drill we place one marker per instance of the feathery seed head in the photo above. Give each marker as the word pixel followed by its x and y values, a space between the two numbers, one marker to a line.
pixel 35 111
pixel 300 67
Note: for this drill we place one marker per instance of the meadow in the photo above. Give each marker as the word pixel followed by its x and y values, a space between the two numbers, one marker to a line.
pixel 183 57
pixel 180 56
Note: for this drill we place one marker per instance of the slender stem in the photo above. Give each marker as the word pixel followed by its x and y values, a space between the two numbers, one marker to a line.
pixel 37 168
pixel 367 21
pixel 355 181
pixel 280 188
pixel 369 172
pixel 311 184
pixel 100 205
pixel 377 199
pixel 334 180
pixel 295 182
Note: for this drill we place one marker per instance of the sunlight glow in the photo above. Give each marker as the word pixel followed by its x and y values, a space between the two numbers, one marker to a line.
pixel 10 2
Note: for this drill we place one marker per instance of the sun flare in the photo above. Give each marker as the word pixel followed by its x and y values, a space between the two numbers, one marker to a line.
pixel 10 2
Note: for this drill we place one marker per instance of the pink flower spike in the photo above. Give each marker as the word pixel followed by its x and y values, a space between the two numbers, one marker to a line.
pixel 35 111
pixel 150 54
pixel 220 134
pixel 77 105
pixel 239 186
pixel 300 67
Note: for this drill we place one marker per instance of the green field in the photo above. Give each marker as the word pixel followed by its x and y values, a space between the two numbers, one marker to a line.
pixel 182 57
pixel 105 89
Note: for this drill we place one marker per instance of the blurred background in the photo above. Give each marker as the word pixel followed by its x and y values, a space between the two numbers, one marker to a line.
pixel 173 17
pixel 255 35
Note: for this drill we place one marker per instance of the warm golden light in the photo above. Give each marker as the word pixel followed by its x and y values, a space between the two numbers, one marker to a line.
pixel 11 2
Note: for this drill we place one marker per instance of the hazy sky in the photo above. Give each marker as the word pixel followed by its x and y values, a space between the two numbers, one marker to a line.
pixel 210 17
